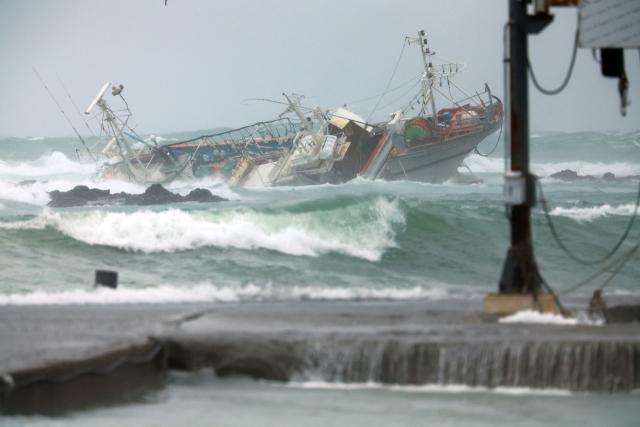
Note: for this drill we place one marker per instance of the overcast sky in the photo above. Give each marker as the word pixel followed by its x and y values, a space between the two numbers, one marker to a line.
pixel 189 65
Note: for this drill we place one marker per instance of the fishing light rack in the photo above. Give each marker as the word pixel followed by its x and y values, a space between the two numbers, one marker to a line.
pixel 434 74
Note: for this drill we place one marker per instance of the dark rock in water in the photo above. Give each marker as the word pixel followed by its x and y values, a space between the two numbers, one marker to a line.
pixel 156 194
pixel 203 195
pixel 566 175
pixel 569 175
pixel 79 196
pixel 26 183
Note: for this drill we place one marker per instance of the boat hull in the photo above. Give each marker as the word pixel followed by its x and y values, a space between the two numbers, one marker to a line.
pixel 438 162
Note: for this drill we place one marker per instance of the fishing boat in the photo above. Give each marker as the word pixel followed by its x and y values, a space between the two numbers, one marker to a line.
pixel 430 146
pixel 306 146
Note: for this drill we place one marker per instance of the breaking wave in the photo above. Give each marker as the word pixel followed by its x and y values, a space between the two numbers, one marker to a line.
pixel 496 165
pixel 589 214
pixel 620 169
pixel 205 292
pixel 363 230
pixel 52 164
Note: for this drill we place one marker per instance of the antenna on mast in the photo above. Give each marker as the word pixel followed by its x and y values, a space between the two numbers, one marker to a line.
pixel 98 98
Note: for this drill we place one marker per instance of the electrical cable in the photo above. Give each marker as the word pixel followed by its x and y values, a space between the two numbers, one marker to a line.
pixel 566 80
pixel 617 265
pixel 567 251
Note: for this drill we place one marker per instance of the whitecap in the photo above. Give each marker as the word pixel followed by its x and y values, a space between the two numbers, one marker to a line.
pixel 589 214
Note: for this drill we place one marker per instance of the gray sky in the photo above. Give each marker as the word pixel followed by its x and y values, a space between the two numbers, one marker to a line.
pixel 188 66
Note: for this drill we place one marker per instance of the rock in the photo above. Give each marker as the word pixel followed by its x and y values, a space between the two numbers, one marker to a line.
pixel 569 175
pixel 566 175
pixel 156 194
pixel 203 195
pixel 79 196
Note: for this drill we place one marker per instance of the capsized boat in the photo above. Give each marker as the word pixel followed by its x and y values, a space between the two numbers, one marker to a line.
pixel 323 142
pixel 430 146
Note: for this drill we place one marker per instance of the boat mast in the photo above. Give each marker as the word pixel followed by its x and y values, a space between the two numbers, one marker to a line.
pixel 293 106
pixel 428 68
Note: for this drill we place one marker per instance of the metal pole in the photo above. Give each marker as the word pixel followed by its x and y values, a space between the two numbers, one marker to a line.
pixel 520 273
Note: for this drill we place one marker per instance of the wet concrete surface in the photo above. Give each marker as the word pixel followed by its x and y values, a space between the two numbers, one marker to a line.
pixel 33 336
pixel 447 341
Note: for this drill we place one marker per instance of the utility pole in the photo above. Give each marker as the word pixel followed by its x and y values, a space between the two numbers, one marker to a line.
pixel 520 273
pixel 608 26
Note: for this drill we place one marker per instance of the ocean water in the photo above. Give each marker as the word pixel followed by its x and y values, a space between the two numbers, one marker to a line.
pixel 358 241
pixel 203 400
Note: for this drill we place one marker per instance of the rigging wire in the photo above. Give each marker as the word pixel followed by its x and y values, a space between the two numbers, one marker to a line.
pixel 392 102
pixel 494 148
pixel 567 251
pixel 389 91
pixel 390 80
pixel 74 104
pixel 63 113
pixel 567 78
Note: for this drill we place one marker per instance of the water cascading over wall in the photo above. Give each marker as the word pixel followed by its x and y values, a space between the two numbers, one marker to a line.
pixel 577 366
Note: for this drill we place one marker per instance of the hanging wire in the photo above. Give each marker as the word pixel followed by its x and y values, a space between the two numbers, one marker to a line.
pixel 567 251
pixel 616 266
pixel 566 80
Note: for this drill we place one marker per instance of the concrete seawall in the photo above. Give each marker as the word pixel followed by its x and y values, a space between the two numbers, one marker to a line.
pixel 60 358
